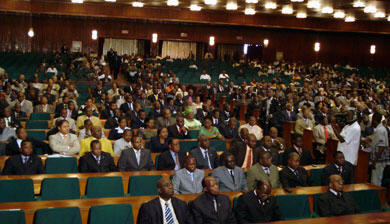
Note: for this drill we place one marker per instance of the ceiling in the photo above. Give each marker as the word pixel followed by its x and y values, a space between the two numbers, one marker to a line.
pixel 345 5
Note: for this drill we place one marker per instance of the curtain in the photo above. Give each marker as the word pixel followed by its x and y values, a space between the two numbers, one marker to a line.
pixel 229 51
pixel 122 46
pixel 176 49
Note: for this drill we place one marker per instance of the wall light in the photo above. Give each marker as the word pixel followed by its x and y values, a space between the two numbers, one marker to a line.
pixel 210 2
pixel 252 1
pixel 266 42
pixel 339 15
pixel 327 10
pixel 212 41
pixel 195 8
pixel 30 32
pixel 370 9
pixel 317 46
pixel 231 6
pixel 77 1
pixel 138 4
pixel 94 34
pixel 250 11
pixel 270 5
pixel 379 15
pixel 287 10
pixel 359 4
pixel 301 15
pixel 372 49
pixel 154 38
pixel 172 2
pixel 350 19
pixel 313 4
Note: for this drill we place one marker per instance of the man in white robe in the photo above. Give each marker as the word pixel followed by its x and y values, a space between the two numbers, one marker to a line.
pixel 349 139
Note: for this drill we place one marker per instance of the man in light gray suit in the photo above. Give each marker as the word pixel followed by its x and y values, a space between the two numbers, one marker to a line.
pixel 263 170
pixel 166 120
pixel 229 176
pixel 63 142
pixel 26 105
pixel 189 179
pixel 135 158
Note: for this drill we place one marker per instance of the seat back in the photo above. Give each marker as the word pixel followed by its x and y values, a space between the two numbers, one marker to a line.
pixel 40 116
pixel 294 206
pixel 100 187
pixel 17 190
pixel 118 214
pixel 61 165
pixel 315 176
pixel 37 135
pixel 186 146
pixel 315 202
pixel 66 215
pixel 367 200
pixel 35 124
pixel 60 189
pixel 194 133
pixel 218 145
pixel 143 185
pixel 12 216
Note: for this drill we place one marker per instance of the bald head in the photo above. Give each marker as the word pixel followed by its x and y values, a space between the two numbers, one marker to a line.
pixel 165 188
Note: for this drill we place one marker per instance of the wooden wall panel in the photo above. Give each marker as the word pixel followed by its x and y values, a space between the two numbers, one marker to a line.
pixel 51 31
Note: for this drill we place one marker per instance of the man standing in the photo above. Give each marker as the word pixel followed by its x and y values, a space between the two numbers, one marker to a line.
pixel 380 156
pixel 212 207
pixel 335 202
pixel 164 209
pixel 263 170
pixel 258 205
pixel 229 176
pixel 136 158
pixel 349 138
pixel 188 180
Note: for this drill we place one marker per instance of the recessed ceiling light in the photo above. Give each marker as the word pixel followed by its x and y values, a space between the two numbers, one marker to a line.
pixel 77 1
pixel 231 6
pixel 301 15
pixel 297 0
pixel 110 0
pixel 172 2
pixel 287 10
pixel 359 4
pixel 210 2
pixel 195 8
pixel 270 5
pixel 313 4
pixel 138 4
pixel 370 9
pixel 252 1
pixel 327 10
pixel 380 15
pixel 250 11
pixel 339 15
pixel 350 19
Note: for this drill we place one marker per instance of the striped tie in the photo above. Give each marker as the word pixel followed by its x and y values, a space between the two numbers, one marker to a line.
pixel 168 214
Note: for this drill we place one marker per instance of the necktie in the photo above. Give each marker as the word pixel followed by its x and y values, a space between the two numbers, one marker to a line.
pixel 326 134
pixel 340 170
pixel 296 173
pixel 307 122
pixel 215 205
pixel 168 214
pixel 98 160
pixel 231 174
pixel 25 160
pixel 249 162
pixel 266 169
pixel 137 157
pixel 177 160
pixel 179 130
pixel 206 157
pixel 192 176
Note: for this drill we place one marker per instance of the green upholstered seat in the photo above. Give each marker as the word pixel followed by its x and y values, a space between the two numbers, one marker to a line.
pixel 294 206
pixel 60 189
pixel 12 216
pixel 99 187
pixel 61 165
pixel 17 190
pixel 143 185
pixel 118 214
pixel 66 215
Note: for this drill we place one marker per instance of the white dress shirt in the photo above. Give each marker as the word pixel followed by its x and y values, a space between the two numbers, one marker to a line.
pixel 162 202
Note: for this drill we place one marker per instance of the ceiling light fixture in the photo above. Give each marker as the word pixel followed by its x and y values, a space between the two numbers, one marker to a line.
pixel 297 0
pixel 172 2
pixel 154 37
pixel 287 10
pixel 339 15
pixel 301 15
pixel 138 4
pixel 252 1
pixel 359 4
pixel 31 33
pixel 77 1
pixel 388 18
pixel 350 19
pixel 266 42
pixel 250 11
pixel 379 15
pixel 327 10
pixel 231 6
pixel 317 46
pixel 370 9
pixel 372 49
pixel 313 4
pixel 210 2
pixel 211 40
pixel 94 35
pixel 195 8
pixel 270 5
pixel 110 0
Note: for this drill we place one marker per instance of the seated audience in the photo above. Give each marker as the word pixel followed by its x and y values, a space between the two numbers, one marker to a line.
pixel 229 176
pixel 230 130
pixel 206 158
pixel 25 163
pixel 6 133
pixel 304 123
pixel 165 208
pixel 277 142
pixel 25 105
pixel 149 131
pixel 245 153
pixel 96 132
pixel 159 143
pixel 139 121
pixel 116 133
pixel 212 207
pixel 178 130
pixel 88 115
pixel 10 120
pixel 188 179
pixel 267 146
pixel 258 205
pixel 64 142
pixel 263 170
pixel 113 122
pixel 18 113
pixel 339 166
pixel 172 159
pixel 293 175
pixel 96 161
pixel 336 202
pixel 15 144
pixel 64 116
pixel 44 107
pixel 253 128
pixel 304 154
pixel 124 142
pixel 165 120
pixel 190 122
pixel 209 130
pixel 135 158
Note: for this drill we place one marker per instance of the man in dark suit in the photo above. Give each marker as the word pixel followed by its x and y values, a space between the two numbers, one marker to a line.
pixel 128 106
pixel 139 122
pixel 178 130
pixel 230 130
pixel 293 175
pixel 172 159
pixel 201 113
pixel 109 111
pixel 10 119
pixel 245 153
pixel 268 146
pixel 15 145
pixel 339 166
pixel 288 114
pixel 154 97
pixel 136 158
pixel 25 164
pixel 258 205
pixel 336 202
pixel 212 207
pixel 113 122
pixel 304 154
pixel 156 111
pixel 206 158
pixel 96 161
pixel 165 208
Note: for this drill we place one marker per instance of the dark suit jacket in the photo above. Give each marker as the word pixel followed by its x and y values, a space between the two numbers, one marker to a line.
pixel 12 148
pixel 227 132
pixel 293 116
pixel 274 153
pixel 201 163
pixel 14 121
pixel 306 158
pixel 128 162
pixel 156 146
pixel 154 114
pixel 331 205
pixel 346 173
pixel 137 124
pixel 203 210
pixel 249 210
pixel 288 179
pixel 200 115
pixel 15 166
pixel 165 160
pixel 106 113
pixel 151 212
pixel 125 107
pixel 238 149
pixel 174 133
pixel 111 123
pixel 114 135
pixel 88 164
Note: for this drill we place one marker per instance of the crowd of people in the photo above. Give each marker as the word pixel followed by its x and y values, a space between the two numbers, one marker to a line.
pixel 156 108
